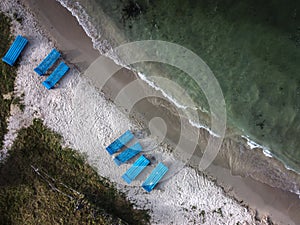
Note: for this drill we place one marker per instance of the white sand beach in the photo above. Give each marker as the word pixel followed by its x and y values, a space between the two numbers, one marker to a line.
pixel 89 122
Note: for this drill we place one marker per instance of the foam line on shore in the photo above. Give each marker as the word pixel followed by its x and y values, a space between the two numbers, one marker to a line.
pixel 175 102
pixel 85 22
pixel 266 151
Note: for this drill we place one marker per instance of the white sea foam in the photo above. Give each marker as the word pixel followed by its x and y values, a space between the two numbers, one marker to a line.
pixel 203 127
pixel 153 85
pixel 85 22
pixel 253 144
pixel 175 102
pixel 266 151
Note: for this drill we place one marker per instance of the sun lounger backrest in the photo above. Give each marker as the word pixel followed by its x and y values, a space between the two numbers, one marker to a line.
pixel 50 59
pixel 15 50
pixel 156 175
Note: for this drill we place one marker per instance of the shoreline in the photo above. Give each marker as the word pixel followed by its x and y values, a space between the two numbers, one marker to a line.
pixel 97 39
pixel 267 153
pixel 75 60
pixel 90 128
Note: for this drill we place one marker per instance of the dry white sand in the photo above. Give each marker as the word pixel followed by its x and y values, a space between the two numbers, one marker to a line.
pixel 88 123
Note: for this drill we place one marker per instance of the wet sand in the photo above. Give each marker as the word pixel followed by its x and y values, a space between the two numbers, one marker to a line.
pixel 283 207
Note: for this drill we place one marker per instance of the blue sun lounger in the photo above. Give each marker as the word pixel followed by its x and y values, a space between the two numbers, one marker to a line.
pixel 15 50
pixel 128 154
pixel 120 142
pixel 50 59
pixel 56 75
pixel 138 166
pixel 159 171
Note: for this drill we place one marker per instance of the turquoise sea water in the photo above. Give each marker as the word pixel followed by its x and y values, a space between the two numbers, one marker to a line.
pixel 252 47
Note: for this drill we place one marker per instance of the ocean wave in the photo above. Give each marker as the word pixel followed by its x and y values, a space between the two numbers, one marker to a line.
pixel 163 92
pixel 175 102
pixel 266 151
pixel 85 21
pixel 103 46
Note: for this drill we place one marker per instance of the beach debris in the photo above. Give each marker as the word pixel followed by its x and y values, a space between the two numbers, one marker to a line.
pixel 219 211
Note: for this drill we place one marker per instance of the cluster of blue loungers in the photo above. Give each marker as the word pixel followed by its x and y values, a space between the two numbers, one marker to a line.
pixel 58 72
pixel 17 47
pixel 139 165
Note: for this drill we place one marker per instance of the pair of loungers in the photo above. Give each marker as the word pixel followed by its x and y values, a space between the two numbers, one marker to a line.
pixel 18 46
pixel 139 165
pixel 57 74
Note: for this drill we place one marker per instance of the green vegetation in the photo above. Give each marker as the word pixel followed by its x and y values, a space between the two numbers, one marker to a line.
pixel 219 211
pixel 7 75
pixel 18 102
pixel 202 214
pixel 43 183
pixel 18 18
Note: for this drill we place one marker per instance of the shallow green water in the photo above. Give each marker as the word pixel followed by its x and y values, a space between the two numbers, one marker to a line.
pixel 252 46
